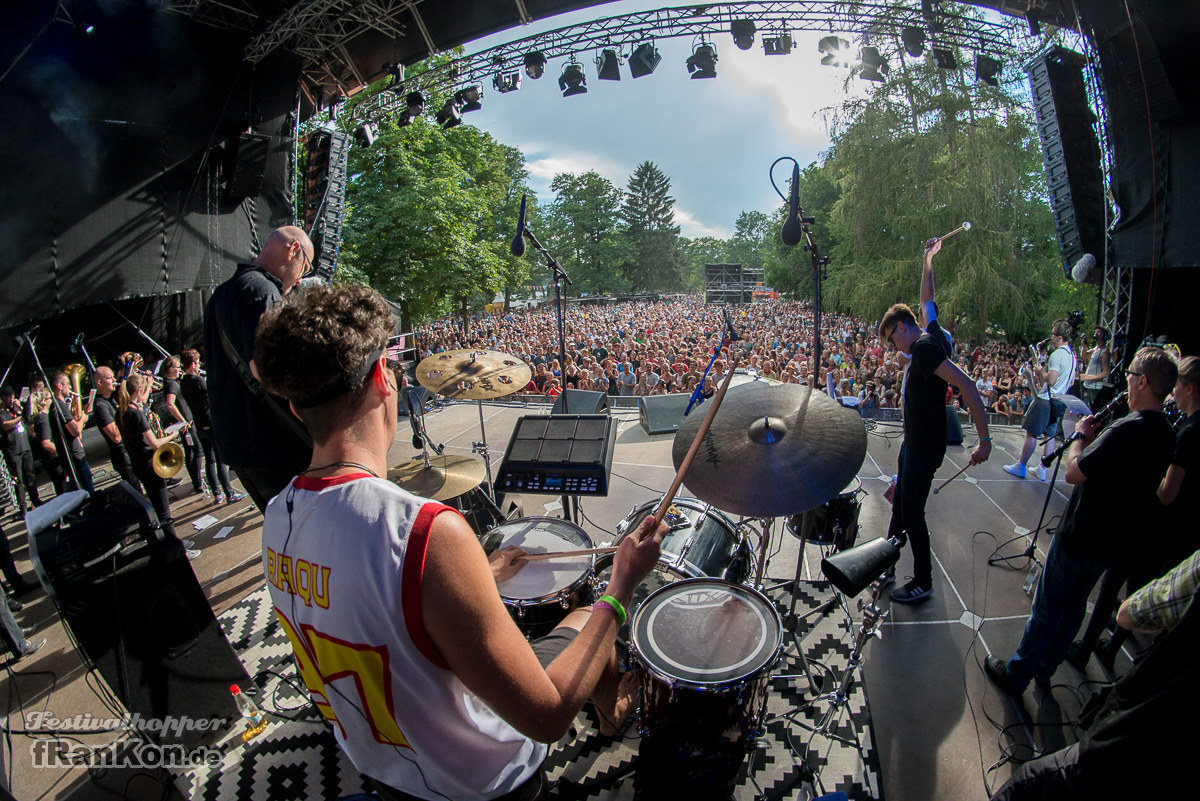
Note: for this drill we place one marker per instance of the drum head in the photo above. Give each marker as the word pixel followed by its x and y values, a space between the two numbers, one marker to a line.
pixel 548 577
pixel 706 632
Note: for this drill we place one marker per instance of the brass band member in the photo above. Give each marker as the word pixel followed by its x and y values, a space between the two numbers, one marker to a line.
pixel 142 441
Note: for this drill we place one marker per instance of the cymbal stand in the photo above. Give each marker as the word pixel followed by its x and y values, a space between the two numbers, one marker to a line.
pixel 839 697
pixel 791 622
pixel 482 448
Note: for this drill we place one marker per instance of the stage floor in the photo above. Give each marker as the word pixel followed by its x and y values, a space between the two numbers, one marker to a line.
pixel 934 727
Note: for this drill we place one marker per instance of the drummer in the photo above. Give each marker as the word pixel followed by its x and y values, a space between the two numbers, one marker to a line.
pixel 391 606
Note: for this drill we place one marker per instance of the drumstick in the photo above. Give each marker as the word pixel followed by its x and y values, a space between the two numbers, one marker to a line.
pixel 947 481
pixel 687 460
pixel 537 557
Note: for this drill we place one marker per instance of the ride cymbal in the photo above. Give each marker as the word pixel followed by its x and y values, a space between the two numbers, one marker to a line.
pixel 773 450
pixel 473 374
pixel 446 478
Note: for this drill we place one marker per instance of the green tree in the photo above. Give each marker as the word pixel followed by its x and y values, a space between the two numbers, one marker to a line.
pixel 696 253
pixel 427 215
pixel 648 212
pixel 582 220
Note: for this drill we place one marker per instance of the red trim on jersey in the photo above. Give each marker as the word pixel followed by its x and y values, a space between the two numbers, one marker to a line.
pixel 318 484
pixel 410 582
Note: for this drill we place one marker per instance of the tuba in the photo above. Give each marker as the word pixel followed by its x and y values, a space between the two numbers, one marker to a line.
pixel 75 374
pixel 168 457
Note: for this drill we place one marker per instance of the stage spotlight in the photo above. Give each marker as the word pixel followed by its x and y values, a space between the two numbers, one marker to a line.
pixel 644 59
pixel 449 116
pixel 414 104
pixel 397 72
pixel 702 63
pixel 468 99
pixel 608 66
pixel 779 45
pixel 987 69
pixel 914 40
pixel 743 33
pixel 874 66
pixel 945 59
pixel 835 50
pixel 572 81
pixel 507 82
pixel 364 134
pixel 535 64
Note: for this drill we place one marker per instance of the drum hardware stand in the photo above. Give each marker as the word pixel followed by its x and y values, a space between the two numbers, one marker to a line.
pixel 482 449
pixel 792 623
pixel 839 697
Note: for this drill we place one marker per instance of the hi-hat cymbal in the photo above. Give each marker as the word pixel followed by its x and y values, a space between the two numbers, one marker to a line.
pixel 773 451
pixel 473 374
pixel 446 478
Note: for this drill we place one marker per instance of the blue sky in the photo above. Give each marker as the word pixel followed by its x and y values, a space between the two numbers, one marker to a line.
pixel 715 138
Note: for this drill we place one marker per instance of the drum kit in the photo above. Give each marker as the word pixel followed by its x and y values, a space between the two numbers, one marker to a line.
pixel 702 633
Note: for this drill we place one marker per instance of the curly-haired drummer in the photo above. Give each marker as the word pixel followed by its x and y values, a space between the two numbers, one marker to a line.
pixel 388 599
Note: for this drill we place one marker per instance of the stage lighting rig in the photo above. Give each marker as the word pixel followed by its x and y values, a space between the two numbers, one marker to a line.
pixel 535 64
pixel 505 82
pixel 644 59
pixel 987 69
pixel 468 99
pixel 874 66
pixel 608 66
pixel 913 39
pixel 835 50
pixel 572 81
pixel 743 31
pixel 702 63
pixel 945 58
pixel 777 45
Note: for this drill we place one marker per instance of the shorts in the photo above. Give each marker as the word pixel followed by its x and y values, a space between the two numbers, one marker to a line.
pixel 548 648
pixel 1040 420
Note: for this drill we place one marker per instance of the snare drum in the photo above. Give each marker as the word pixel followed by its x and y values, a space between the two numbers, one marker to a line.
pixel 541 593
pixel 705 649
pixel 835 523
pixel 701 541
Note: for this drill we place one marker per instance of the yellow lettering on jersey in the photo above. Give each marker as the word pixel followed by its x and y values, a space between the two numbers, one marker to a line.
pixel 324 659
pixel 300 577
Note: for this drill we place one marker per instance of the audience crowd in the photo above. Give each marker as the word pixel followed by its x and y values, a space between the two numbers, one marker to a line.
pixel 655 348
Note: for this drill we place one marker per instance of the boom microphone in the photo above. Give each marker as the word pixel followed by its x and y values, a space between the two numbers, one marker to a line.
pixel 518 243
pixel 1082 269
pixel 792 229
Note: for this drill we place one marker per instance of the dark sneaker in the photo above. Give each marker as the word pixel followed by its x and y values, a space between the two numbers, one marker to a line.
pixel 911 593
pixel 1078 657
pixel 997 670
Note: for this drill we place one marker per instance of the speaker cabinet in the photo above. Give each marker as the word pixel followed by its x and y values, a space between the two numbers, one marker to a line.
pixel 580 401
pixel 662 414
pixel 246 165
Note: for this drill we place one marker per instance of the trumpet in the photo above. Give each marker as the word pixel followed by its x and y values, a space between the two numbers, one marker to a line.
pixel 168 457
pixel 133 364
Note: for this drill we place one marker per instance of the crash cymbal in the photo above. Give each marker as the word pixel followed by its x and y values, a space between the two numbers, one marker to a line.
pixel 773 450
pixel 446 478
pixel 473 374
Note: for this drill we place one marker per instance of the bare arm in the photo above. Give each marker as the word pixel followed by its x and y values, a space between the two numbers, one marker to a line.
pixel 1168 488
pixel 178 415
pixel 471 628
pixel 112 433
pixel 953 375
pixel 931 249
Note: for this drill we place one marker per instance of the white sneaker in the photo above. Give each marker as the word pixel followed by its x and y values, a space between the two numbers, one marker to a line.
pixel 192 554
pixel 1017 470
pixel 1041 473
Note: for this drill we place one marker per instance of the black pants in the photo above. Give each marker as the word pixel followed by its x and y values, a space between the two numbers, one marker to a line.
pixel 218 473
pixel 914 480
pixel 56 473
pixel 124 467
pixel 1048 778
pixel 192 460
pixel 155 487
pixel 24 476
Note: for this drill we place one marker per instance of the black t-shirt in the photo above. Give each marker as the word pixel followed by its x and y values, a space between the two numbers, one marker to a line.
pixel 106 412
pixel 247 433
pixel 172 387
pixel 1123 466
pixel 42 432
pixel 134 423
pixel 1180 517
pixel 16 441
pixel 74 444
pixel 195 392
pixel 925 394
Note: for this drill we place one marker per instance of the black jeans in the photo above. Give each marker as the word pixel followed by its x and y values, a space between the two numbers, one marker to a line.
pixel 218 473
pixel 914 480
pixel 24 476
pixel 156 492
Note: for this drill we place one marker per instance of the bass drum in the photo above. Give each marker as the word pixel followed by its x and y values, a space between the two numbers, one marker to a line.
pixel 541 594
pixel 702 542
pixel 835 523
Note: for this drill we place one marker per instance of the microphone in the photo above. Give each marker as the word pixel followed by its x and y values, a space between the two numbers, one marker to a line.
pixel 792 229
pixel 78 343
pixel 518 243
pixel 1082 269
pixel 1101 418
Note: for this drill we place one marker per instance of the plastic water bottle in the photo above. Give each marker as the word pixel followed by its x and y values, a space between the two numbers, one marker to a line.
pixel 256 720
pixel 1031 578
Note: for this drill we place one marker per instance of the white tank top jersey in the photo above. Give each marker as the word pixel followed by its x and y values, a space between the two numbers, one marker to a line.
pixel 344 566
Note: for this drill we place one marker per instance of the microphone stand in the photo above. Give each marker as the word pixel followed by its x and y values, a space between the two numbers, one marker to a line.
pixel 560 279
pixel 64 452
pixel 161 351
